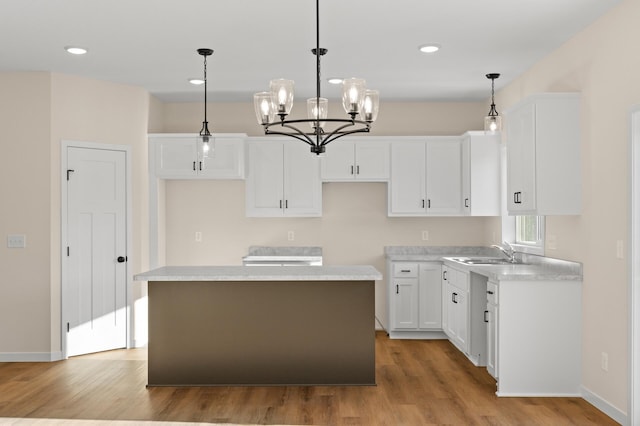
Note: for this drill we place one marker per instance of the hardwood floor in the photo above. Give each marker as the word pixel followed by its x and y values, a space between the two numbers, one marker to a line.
pixel 418 383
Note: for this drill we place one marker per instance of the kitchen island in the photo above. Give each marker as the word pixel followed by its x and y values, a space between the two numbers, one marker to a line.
pixel 261 325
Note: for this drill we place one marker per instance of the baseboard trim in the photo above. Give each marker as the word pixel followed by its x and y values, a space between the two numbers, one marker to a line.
pixel 604 406
pixel 30 356
pixel 418 335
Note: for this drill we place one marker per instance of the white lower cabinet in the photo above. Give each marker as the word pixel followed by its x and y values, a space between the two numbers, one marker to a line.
pixel 414 299
pixel 537 338
pixel 491 319
pixel 456 299
pixel 464 302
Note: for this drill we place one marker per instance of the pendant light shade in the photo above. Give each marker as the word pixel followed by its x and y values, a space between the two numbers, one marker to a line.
pixel 493 121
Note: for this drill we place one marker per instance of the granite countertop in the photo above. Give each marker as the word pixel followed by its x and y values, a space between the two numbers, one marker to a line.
pixel 532 268
pixel 258 253
pixel 261 273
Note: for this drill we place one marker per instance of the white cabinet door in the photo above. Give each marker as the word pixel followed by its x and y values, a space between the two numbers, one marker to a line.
pixel 426 178
pixel 407 191
pixel 175 157
pixel 283 179
pixel 521 154
pixel 180 156
pixel 372 160
pixel 225 159
pixel 444 177
pixel 430 297
pixel 338 163
pixel 414 297
pixel 543 155
pixel 361 159
pixel 445 299
pixel 405 298
pixel 458 308
pixel 492 329
pixel 302 185
pixel 264 186
pixel 481 174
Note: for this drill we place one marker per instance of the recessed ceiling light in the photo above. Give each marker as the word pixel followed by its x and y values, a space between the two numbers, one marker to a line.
pixel 196 81
pixel 429 48
pixel 75 50
pixel 334 80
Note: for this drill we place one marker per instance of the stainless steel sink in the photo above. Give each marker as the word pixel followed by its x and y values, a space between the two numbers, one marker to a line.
pixel 485 261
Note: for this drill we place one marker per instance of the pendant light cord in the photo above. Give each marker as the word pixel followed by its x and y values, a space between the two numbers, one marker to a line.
pixel 318 72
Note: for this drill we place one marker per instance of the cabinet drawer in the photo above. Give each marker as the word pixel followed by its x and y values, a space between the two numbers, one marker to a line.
pixel 405 270
pixel 492 293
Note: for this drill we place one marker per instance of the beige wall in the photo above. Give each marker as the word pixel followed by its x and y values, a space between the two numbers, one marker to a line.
pixel 25 126
pixel 604 66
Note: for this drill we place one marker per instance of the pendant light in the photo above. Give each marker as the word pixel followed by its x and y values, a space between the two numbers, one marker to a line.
pixel 492 122
pixel 356 100
pixel 205 134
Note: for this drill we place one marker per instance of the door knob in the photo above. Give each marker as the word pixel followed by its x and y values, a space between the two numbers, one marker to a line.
pixel 121 259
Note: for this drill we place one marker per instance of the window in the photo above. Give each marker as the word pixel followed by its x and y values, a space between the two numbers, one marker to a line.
pixel 529 234
pixel 528 230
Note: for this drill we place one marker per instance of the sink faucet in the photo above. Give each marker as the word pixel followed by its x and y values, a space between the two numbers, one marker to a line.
pixel 508 251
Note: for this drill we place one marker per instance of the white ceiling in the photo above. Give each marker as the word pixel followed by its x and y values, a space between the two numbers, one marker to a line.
pixel 153 43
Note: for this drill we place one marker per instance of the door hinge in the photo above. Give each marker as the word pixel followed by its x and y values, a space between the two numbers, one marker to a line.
pixel 69 171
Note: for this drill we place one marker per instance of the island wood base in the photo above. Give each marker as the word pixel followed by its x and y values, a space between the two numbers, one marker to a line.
pixel 261 333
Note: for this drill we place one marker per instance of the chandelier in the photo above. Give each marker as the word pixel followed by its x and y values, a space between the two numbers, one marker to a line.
pixel 492 122
pixel 356 100
pixel 205 134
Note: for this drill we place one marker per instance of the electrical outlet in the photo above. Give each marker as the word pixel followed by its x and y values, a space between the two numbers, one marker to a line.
pixel 604 362
pixel 620 249
pixel 291 236
pixel 16 241
pixel 198 236
pixel 425 235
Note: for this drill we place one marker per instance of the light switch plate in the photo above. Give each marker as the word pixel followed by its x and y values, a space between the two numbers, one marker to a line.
pixel 16 241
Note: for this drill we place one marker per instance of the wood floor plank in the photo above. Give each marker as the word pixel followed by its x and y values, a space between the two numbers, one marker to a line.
pixel 418 383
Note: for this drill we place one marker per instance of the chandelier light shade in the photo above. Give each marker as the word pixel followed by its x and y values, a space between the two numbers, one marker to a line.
pixel 273 107
pixel 493 121
pixel 317 109
pixel 371 105
pixel 205 134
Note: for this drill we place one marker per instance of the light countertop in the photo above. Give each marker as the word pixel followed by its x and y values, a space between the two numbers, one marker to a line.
pixel 261 273
pixel 534 268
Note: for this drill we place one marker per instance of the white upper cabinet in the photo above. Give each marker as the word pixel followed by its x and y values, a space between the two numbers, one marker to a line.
pixel 356 159
pixel 181 156
pixel 481 174
pixel 283 179
pixel 444 177
pixel 543 155
pixel 426 177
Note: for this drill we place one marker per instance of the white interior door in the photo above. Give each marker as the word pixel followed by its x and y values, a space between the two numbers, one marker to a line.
pixel 95 301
